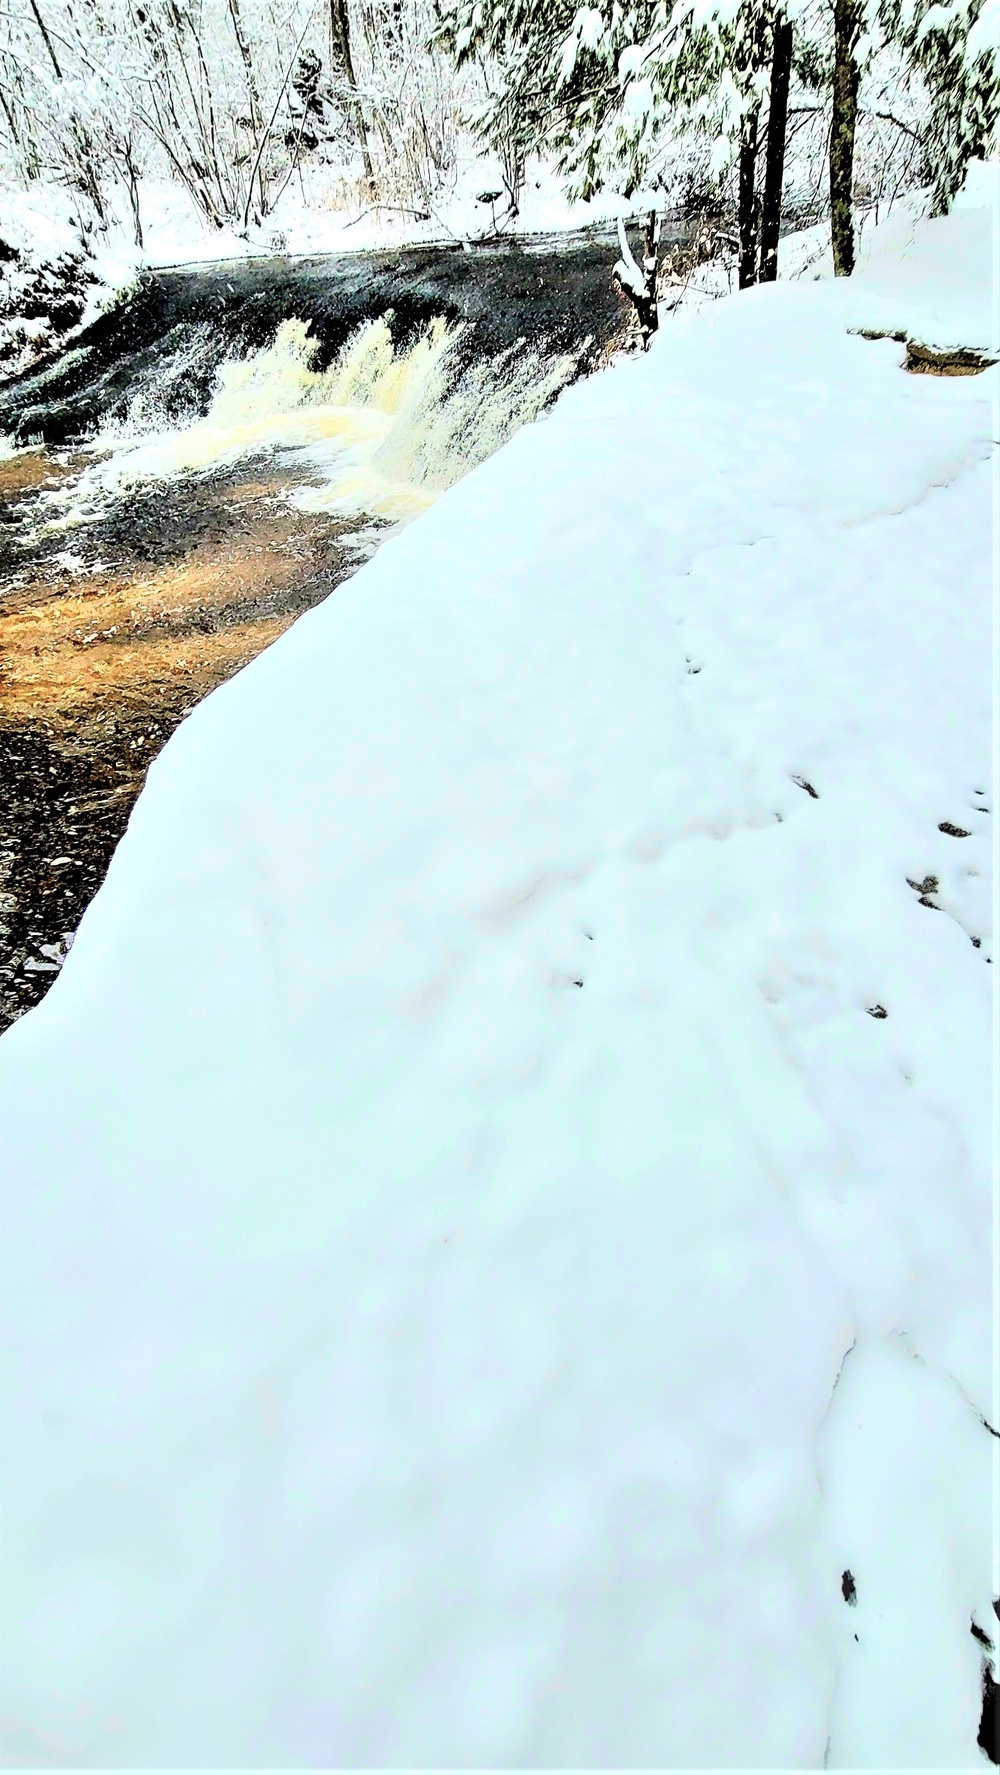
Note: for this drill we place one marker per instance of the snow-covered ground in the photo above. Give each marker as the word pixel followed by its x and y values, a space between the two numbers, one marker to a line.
pixel 49 262
pixel 326 217
pixel 497 1205
pixel 334 219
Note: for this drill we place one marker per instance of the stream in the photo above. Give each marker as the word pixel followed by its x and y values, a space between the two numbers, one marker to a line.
pixel 206 462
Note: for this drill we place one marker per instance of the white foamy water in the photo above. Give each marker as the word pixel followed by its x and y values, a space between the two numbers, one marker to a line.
pixel 382 430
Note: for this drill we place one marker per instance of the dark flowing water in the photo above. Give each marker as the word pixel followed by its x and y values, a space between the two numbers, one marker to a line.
pixel 548 288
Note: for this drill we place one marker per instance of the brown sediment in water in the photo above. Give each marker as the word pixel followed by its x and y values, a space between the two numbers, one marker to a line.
pixel 28 471
pixel 64 650
pixel 178 591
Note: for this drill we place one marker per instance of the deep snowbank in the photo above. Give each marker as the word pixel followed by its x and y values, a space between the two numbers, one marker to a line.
pixel 497 1206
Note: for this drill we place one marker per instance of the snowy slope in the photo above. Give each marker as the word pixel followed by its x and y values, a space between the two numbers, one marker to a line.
pixel 45 220
pixel 479 1266
pixel 54 278
pixel 935 271
pixel 332 222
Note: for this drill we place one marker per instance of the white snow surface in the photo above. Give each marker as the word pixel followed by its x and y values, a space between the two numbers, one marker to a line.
pixel 474 1274
pixel 334 220
pixel 325 216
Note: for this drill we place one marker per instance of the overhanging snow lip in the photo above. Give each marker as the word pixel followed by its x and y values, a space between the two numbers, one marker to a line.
pixel 933 359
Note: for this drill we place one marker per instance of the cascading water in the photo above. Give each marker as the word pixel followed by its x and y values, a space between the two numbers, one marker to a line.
pixel 379 433
pixel 202 467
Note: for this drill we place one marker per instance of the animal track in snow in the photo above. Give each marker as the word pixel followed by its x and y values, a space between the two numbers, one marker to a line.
pixel 924 889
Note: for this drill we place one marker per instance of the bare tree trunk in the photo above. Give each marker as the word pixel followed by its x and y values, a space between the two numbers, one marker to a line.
pixel 253 96
pixel 269 125
pixel 340 37
pixel 639 282
pixel 84 170
pixel 511 168
pixel 646 307
pixel 774 163
pixel 132 184
pixel 40 22
pixel 15 134
pixel 847 30
pixel 165 120
pixel 215 159
pixel 748 197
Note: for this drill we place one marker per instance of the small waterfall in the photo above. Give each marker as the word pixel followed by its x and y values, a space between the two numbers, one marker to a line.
pixel 173 388
pixel 379 433
pixel 153 538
